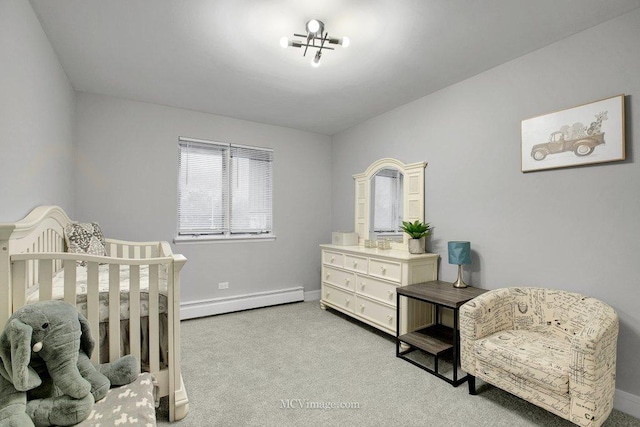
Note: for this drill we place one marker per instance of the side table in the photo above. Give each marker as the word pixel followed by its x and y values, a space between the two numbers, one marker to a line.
pixel 436 339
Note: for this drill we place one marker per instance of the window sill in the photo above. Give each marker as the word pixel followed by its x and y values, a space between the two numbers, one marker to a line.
pixel 224 239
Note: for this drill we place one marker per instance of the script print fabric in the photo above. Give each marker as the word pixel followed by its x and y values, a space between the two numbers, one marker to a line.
pixel 577 338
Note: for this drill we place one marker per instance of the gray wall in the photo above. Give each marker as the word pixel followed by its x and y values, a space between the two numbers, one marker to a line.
pixel 126 180
pixel 37 109
pixel 574 229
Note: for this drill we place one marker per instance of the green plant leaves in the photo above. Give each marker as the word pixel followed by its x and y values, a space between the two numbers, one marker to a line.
pixel 416 229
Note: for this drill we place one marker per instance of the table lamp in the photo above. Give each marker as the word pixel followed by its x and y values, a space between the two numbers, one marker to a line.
pixel 459 254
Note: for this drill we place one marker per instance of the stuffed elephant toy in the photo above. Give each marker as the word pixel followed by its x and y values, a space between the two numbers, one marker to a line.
pixel 46 376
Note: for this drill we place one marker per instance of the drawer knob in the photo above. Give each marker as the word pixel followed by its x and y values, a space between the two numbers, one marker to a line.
pixel 328 275
pixel 383 269
pixel 327 294
pixel 346 301
pixel 333 259
pixel 362 286
pixel 390 293
pixel 361 307
pixel 389 318
pixel 346 282
pixel 355 264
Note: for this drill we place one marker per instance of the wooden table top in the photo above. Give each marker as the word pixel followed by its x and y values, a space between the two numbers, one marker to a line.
pixel 439 292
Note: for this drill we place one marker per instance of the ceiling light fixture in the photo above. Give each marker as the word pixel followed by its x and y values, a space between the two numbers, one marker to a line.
pixel 315 38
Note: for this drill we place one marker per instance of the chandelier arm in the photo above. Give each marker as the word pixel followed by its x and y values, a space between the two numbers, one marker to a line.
pixel 310 38
pixel 313 44
pixel 323 40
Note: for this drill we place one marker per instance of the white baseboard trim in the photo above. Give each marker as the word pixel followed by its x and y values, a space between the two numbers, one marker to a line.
pixel 627 403
pixel 210 307
pixel 312 295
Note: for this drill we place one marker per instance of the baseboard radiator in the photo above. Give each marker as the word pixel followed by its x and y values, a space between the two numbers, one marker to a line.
pixel 210 307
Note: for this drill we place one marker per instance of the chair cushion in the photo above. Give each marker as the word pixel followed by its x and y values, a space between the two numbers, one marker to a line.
pixel 540 357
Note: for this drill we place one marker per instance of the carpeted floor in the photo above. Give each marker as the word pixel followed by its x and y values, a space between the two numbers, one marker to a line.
pixel 297 365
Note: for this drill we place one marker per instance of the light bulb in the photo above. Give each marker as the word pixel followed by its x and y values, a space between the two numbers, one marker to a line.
pixel 345 42
pixel 316 59
pixel 284 42
pixel 313 26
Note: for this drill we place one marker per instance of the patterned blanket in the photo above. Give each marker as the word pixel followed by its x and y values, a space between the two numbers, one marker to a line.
pixel 131 404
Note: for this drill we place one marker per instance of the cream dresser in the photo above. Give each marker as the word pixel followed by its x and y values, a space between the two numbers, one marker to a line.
pixel 361 283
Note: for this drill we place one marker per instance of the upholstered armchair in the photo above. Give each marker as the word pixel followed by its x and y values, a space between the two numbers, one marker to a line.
pixel 553 348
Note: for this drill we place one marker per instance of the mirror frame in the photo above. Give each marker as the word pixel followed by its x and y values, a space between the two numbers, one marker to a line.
pixel 412 195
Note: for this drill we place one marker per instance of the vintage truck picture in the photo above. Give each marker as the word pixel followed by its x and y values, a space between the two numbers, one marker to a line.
pixel 578 138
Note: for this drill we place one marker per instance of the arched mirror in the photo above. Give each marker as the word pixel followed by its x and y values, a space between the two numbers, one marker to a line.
pixel 386 207
pixel 387 193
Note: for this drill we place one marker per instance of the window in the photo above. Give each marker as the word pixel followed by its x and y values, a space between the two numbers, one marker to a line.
pixel 224 190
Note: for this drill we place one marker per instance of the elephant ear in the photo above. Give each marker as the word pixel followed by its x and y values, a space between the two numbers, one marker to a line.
pixel 86 340
pixel 15 352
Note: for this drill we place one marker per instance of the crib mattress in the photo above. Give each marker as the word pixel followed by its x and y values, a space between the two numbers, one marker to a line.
pixel 103 280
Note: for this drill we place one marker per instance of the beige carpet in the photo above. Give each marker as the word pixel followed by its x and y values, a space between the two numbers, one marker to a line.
pixel 297 365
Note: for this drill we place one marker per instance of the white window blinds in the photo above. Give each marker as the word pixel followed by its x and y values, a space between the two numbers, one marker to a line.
pixel 224 188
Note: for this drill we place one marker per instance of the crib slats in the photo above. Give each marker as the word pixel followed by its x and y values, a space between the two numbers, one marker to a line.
pixel 134 310
pixel 114 312
pixel 70 281
pixel 173 341
pixel 20 284
pixel 154 329
pixel 93 306
pixel 27 267
pixel 45 272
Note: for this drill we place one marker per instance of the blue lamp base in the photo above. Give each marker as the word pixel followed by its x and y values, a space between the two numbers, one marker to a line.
pixel 459 283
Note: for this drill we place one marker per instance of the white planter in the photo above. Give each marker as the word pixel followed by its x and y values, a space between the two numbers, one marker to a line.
pixel 417 246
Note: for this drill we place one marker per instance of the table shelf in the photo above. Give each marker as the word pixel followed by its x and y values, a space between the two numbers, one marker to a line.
pixel 434 339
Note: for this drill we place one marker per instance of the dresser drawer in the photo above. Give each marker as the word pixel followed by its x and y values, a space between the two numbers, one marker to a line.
pixel 338 297
pixel 333 258
pixel 385 269
pixel 376 312
pixel 339 278
pixel 377 289
pixel 356 263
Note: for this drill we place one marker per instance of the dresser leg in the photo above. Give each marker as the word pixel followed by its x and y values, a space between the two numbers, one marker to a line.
pixel 472 385
pixel 322 306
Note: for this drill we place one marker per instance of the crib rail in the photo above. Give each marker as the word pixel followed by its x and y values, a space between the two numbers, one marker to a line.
pixel 133 250
pixel 46 263
pixel 32 250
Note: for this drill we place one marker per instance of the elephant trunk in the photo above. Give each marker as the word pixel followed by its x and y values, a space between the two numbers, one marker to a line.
pixel 61 359
pixel 67 378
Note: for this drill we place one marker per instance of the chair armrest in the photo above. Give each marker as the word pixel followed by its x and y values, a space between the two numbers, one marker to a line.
pixel 484 315
pixel 595 343
pixel 592 364
pixel 487 314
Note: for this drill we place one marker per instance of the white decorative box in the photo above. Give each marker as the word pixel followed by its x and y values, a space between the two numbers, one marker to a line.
pixel 343 238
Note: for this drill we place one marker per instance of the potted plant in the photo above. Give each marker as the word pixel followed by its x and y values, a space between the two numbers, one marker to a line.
pixel 417 232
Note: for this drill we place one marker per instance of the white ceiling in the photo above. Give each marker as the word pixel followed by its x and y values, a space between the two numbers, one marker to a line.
pixel 223 56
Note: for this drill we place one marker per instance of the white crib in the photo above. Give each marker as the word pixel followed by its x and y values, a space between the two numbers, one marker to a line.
pixel 33 257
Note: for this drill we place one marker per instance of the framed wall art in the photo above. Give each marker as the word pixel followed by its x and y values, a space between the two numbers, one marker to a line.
pixel 586 134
